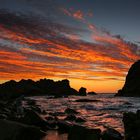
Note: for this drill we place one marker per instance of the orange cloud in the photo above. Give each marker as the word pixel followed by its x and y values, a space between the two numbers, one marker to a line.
pixel 51 51
pixel 78 15
pixel 72 13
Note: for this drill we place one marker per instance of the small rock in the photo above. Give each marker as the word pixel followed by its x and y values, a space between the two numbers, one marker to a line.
pixel 49 118
pixel 70 118
pixel 71 111
pixel 91 93
pixel 80 120
pixel 78 132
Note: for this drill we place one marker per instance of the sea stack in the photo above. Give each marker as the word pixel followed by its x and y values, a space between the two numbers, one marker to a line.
pixel 131 87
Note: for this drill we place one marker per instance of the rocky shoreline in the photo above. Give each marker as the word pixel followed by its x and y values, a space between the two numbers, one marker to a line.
pixel 21 118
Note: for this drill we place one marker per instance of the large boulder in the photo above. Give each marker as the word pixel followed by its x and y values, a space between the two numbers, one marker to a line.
pixel 111 134
pixel 33 118
pixel 78 132
pixel 132 82
pixel 15 131
pixel 82 91
pixel 64 126
pixel 132 125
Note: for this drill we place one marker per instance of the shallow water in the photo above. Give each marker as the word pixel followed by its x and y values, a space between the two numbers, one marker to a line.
pixel 105 112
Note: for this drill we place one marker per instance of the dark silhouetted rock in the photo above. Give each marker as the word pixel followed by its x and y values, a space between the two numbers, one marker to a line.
pixel 15 131
pixel 111 134
pixel 80 120
pixel 70 117
pixel 132 125
pixel 71 111
pixel 13 89
pixel 132 82
pixel 64 126
pixel 78 132
pixel 91 93
pixel 32 118
pixel 82 91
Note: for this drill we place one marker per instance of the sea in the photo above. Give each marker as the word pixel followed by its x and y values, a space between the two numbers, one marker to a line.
pixel 106 111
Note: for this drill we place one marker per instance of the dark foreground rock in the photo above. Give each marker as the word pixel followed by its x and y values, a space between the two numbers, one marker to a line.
pixel 64 126
pixel 111 134
pixel 78 132
pixel 70 111
pixel 132 125
pixel 32 118
pixel 15 131
pixel 132 82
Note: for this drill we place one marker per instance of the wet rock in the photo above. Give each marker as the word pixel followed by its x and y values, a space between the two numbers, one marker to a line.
pixel 57 113
pixel 51 122
pixel 64 126
pixel 78 132
pixel 132 125
pixel 86 100
pixel 132 82
pixel 43 112
pixel 36 109
pixel 128 103
pixel 111 134
pixel 82 91
pixel 31 102
pixel 80 120
pixel 32 118
pixel 49 118
pixel 71 111
pixel 3 116
pixel 15 131
pixel 70 118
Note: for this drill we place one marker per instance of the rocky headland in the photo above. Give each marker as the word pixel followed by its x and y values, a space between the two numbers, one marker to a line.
pixel 13 89
pixel 131 87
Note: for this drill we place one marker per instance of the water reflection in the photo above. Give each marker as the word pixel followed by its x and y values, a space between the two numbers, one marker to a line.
pixel 54 135
pixel 106 112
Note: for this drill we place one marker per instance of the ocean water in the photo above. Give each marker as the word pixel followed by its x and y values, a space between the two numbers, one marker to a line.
pixel 107 111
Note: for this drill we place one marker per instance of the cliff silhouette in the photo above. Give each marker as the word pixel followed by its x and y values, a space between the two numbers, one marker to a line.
pixel 29 87
pixel 132 82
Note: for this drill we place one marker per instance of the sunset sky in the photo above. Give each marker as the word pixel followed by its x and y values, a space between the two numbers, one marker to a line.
pixel 90 42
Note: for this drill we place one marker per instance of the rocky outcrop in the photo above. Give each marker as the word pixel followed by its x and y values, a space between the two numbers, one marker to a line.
pixel 92 93
pixel 16 131
pixel 82 91
pixel 132 125
pixel 13 89
pixel 132 83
